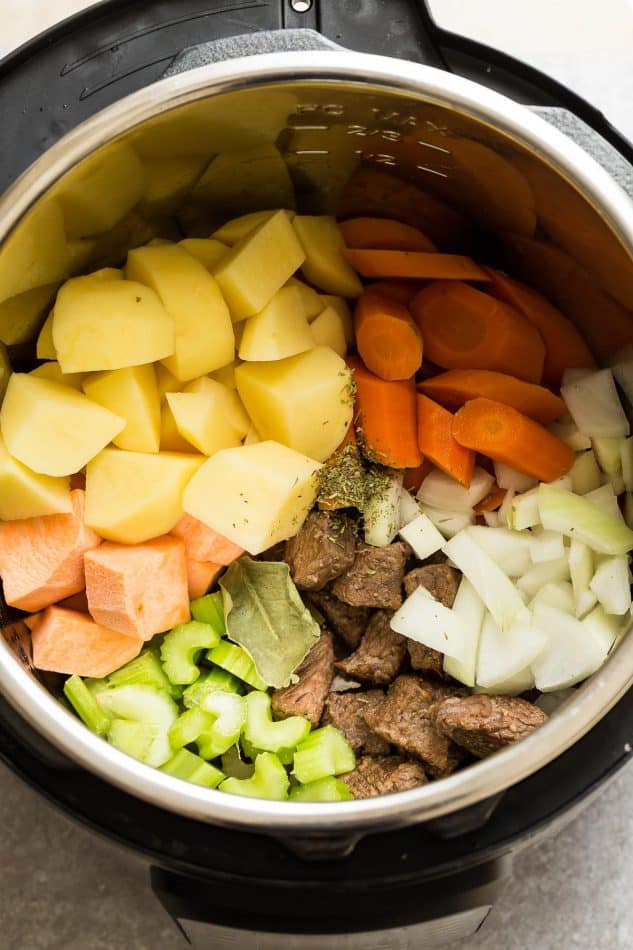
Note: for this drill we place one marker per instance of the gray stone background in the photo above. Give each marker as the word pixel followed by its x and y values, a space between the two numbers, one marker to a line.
pixel 64 889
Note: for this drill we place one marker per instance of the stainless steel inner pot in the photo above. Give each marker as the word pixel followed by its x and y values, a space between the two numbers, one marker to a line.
pixel 302 123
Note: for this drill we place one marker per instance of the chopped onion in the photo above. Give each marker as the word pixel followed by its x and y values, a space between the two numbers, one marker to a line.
pixel 594 405
pixel 382 512
pixel 509 549
pixel 628 508
pixel 442 491
pixel 491 518
pixel 504 515
pixel 611 585
pixel 626 460
pixel 493 586
pixel 449 523
pixel 505 653
pixel 585 474
pixel 340 684
pixel 607 628
pixel 569 655
pixel 546 573
pixel 422 536
pixel 623 372
pixel 409 508
pixel 574 373
pixel 577 517
pixel 606 498
pixel 524 510
pixel 546 545
pixel 581 572
pixel 615 481
pixel 427 621
pixel 514 686
pixel 569 433
pixel 469 607
pixel 563 482
pixel 559 595
pixel 607 453
pixel 509 478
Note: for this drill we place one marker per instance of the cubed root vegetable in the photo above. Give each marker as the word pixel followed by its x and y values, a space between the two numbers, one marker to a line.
pixel 437 443
pixel 202 543
pixel 415 264
pixel 200 576
pixel 387 339
pixel 24 494
pixel 386 418
pixel 384 234
pixel 138 590
pixel 457 386
pixel 68 642
pixel 42 559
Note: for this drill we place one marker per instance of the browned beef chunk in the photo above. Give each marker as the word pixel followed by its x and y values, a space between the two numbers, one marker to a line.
pixel 324 548
pixel 345 711
pixel 379 775
pixel 484 724
pixel 375 577
pixel 307 697
pixel 425 658
pixel 380 654
pixel 440 580
pixel 405 720
pixel 348 622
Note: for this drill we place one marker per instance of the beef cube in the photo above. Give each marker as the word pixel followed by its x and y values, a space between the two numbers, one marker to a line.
pixel 323 548
pixel 405 719
pixel 380 654
pixel 375 577
pixel 380 775
pixel 425 659
pixel 307 697
pixel 348 622
pixel 440 580
pixel 345 711
pixel 484 724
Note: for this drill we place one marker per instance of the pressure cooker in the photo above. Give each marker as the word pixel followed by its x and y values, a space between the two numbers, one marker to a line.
pixel 307 91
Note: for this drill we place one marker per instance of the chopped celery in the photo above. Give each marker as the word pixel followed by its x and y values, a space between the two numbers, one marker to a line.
pixel 133 738
pixel 85 705
pixel 181 646
pixel 229 712
pixel 191 768
pixel 576 517
pixel 209 681
pixel 329 789
pixel 189 726
pixel 234 766
pixel 234 659
pixel 146 705
pixel 269 780
pixel 261 733
pixel 325 752
pixel 146 669
pixel 210 609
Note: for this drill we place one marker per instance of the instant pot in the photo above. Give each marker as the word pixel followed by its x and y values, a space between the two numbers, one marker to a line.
pixel 288 98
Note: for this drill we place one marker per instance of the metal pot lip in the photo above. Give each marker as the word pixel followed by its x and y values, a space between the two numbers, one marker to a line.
pixel 479 781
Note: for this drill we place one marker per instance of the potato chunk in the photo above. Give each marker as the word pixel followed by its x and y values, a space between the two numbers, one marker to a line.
pixel 342 308
pixel 53 371
pixel 208 251
pixel 170 438
pixel 304 402
pixel 131 393
pixel 5 370
pixel 228 401
pixel 52 428
pixel 238 228
pixel 200 419
pixel 21 316
pixel 259 265
pixel 102 324
pixel 325 265
pixel 312 302
pixel 204 333
pixel 255 495
pixel 36 252
pixel 134 496
pixel 167 181
pixel 23 494
pixel 45 348
pixel 277 331
pixel 328 330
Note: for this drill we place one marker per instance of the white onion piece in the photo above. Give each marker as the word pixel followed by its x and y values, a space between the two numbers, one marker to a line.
pixel 427 621
pixel 606 498
pixel 623 372
pixel 524 510
pixel 585 474
pixel 505 653
pixel 493 586
pixel 449 523
pixel 581 571
pixel 504 516
pixel 546 573
pixel 607 628
pixel 577 517
pixel 559 595
pixel 546 545
pixel 509 549
pixel 615 481
pixel 626 462
pixel 470 608
pixel 491 518
pixel 628 508
pixel 611 585
pixel 607 452
pixel 422 536
pixel 514 686
pixel 563 482
pixel 569 656
pixel 594 405
pixel 409 508
pixel 569 433
pixel 574 373
pixel 382 513
pixel 508 477
pixel 441 491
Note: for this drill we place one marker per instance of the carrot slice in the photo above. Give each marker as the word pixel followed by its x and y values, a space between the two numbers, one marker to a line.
pixel 401 290
pixel 463 328
pixel 386 418
pixel 564 346
pixel 436 442
pixel 384 234
pixel 506 435
pixel 387 339
pixel 413 477
pixel 491 502
pixel 457 386
pixel 416 264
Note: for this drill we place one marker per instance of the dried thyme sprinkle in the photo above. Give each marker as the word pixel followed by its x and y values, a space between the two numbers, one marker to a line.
pixel 343 479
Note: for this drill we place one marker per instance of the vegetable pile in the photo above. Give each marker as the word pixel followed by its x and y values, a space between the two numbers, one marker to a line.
pixel 432 497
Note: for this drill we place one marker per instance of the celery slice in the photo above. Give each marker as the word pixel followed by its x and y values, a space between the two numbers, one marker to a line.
pixel 329 789
pixel 133 738
pixel 146 669
pixel 210 609
pixel 234 659
pixel 261 733
pixel 148 706
pixel 577 517
pixel 191 768
pixel 208 682
pixel 269 780
pixel 234 766
pixel 228 712
pixel 86 706
pixel 181 647
pixel 189 726
pixel 325 752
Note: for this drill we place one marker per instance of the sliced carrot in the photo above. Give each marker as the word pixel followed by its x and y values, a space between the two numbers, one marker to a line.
pixel 564 346
pixel 200 576
pixel 387 338
pixel 416 264
pixel 457 386
pixel 436 442
pixel 386 418
pixel 138 589
pixel 506 435
pixel 65 641
pixel 384 234
pixel 401 290
pixel 202 543
pixel 463 328
pixel 413 477
pixel 491 502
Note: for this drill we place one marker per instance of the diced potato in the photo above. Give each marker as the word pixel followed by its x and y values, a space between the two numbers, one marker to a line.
pixel 53 371
pixel 304 401
pixel 328 330
pixel 52 428
pixel 311 301
pixel 341 307
pixel 132 394
pixel 238 228
pixel 45 348
pixel 5 370
pixel 170 438
pixel 255 495
pixel 201 421
pixel 259 265
pixel 21 316
pixel 252 436
pixel 134 496
pixel 80 254
pixel 166 382
pixel 102 324
pixel 23 494
pixel 325 265
pixel 204 333
pixel 245 180
pixel 167 181
pixel 101 191
pixel 35 253
pixel 277 331
pixel 208 251
pixel 226 374
pixel 107 273
pixel 227 400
